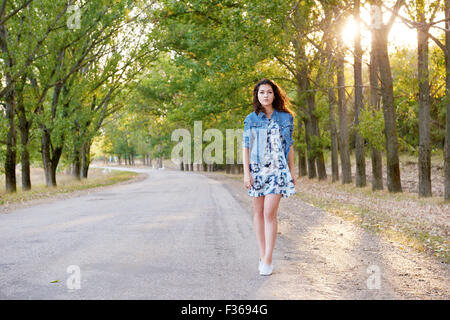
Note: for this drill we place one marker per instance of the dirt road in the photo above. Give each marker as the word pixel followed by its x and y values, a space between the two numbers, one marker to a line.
pixel 321 256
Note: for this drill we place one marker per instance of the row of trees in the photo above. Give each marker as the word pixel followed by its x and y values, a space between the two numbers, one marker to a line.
pixel 135 71
pixel 212 53
pixel 66 67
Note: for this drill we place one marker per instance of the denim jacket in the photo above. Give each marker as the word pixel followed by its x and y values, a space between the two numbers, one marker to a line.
pixel 255 133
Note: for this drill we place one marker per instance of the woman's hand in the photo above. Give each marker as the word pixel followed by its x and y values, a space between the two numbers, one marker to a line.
pixel 291 165
pixel 248 181
pixel 293 177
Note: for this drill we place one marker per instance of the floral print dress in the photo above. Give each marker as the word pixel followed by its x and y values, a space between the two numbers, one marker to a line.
pixel 272 175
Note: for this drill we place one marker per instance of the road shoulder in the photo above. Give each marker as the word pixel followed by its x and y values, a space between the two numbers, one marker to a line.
pixel 10 207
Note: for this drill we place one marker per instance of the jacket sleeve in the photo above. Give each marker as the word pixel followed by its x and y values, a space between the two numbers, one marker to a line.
pixel 291 119
pixel 245 134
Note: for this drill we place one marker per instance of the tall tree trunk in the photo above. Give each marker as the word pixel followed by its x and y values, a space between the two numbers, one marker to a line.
pixel 320 161
pixel 25 159
pixel 312 131
pixel 317 145
pixel 312 135
pixel 447 92
pixel 424 107
pixel 56 155
pixel 160 158
pixel 24 129
pixel 312 173
pixel 10 99
pixel 330 83
pixel 302 170
pixel 310 155
pixel 342 109
pixel 85 158
pixel 393 162
pixel 360 175
pixel 387 92
pixel 333 134
pixel 76 164
pixel 375 105
pixel 50 180
pixel 50 157
pixel 51 154
pixel 11 153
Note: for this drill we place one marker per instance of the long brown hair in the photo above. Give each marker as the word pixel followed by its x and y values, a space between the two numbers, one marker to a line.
pixel 280 101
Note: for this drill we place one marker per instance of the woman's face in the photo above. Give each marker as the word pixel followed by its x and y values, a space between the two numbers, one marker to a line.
pixel 265 95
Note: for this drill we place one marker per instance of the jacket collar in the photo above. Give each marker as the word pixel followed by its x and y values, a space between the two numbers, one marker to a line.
pixel 262 114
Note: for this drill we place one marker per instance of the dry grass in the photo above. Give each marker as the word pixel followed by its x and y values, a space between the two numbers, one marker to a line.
pixel 65 184
pixel 420 223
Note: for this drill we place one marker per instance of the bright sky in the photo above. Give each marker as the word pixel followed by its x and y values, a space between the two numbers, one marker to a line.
pixel 400 34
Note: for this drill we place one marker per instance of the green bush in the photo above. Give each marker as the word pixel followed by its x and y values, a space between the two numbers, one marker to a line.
pixel 371 128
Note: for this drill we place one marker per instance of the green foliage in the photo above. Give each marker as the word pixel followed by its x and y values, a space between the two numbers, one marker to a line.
pixel 130 82
pixel 406 91
pixel 371 128
pixel 67 76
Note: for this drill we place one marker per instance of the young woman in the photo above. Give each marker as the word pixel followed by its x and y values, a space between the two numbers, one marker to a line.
pixel 268 159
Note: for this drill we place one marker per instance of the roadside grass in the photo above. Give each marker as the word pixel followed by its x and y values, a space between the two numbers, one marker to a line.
pixel 402 232
pixel 385 194
pixel 65 185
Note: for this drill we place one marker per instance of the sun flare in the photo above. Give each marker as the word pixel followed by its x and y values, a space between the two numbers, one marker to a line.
pixel 400 35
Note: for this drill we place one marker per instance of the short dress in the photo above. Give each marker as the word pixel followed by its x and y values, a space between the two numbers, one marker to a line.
pixel 272 176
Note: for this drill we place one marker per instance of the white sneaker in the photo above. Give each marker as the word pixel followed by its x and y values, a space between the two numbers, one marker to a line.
pixel 265 269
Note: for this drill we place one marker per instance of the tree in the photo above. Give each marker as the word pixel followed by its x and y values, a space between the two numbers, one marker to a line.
pixel 380 33
pixel 20 46
pixel 360 180
pixel 375 106
pixel 423 28
pixel 344 149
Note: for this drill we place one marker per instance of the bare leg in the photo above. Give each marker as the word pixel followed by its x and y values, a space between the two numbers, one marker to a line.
pixel 258 223
pixel 271 203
